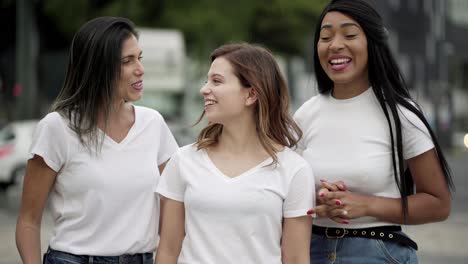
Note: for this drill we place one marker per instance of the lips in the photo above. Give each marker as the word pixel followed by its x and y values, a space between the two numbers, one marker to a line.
pixel 209 102
pixel 138 85
pixel 339 63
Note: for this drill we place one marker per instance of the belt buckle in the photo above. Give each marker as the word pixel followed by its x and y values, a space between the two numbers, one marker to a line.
pixel 339 233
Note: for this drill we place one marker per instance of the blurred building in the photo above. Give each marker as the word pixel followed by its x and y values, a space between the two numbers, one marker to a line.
pixel 429 38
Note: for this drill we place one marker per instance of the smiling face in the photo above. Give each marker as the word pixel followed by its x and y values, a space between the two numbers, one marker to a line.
pixel 130 84
pixel 342 50
pixel 224 96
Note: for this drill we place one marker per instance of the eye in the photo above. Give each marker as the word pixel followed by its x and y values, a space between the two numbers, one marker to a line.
pixel 140 58
pixel 351 36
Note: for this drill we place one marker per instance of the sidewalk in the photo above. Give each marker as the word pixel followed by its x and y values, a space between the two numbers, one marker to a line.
pixel 442 243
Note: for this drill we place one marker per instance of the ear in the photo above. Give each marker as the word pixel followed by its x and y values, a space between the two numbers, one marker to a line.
pixel 251 97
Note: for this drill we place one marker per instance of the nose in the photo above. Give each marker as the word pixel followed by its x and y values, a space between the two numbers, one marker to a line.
pixel 205 89
pixel 337 43
pixel 140 69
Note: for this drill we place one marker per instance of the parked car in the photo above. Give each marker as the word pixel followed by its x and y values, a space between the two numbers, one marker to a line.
pixel 15 140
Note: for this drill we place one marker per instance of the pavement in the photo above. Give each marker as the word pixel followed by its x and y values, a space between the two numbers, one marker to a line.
pixel 439 243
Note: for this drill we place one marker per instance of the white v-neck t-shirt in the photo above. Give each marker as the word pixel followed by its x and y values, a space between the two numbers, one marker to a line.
pixel 239 219
pixel 104 204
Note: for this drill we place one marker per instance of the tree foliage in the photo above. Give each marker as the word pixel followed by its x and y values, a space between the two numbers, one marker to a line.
pixel 282 25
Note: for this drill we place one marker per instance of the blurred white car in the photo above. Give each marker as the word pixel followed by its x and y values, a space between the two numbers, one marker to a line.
pixel 15 140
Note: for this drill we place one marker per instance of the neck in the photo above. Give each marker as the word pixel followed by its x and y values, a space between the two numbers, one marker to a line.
pixel 240 136
pixel 349 90
pixel 117 112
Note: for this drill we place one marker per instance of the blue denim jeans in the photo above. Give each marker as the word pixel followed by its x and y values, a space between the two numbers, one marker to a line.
pixel 358 250
pixel 59 257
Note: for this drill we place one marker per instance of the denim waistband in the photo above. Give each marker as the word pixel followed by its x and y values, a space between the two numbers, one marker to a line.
pixel 57 257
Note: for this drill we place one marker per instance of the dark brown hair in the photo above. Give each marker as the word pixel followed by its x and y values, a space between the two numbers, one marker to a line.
pixel 93 69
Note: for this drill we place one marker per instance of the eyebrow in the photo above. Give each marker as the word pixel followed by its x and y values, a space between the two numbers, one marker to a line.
pixel 132 56
pixel 215 75
pixel 349 24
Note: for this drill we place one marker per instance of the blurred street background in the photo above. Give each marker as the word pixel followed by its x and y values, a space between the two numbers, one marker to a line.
pixel 428 37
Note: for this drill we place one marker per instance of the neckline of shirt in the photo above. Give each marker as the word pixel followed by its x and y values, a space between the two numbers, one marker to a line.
pixel 362 96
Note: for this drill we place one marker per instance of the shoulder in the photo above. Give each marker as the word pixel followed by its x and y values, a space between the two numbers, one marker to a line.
pixel 408 117
pixel 308 107
pixel 187 151
pixel 53 120
pixel 149 118
pixel 290 159
pixel 148 113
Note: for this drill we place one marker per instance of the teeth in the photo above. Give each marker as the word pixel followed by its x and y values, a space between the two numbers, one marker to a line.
pixel 209 102
pixel 340 61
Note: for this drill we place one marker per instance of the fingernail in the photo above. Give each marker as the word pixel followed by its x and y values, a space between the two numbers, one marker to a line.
pixel 345 222
pixel 345 212
pixel 343 187
pixel 338 202
pixel 322 195
pixel 310 212
pixel 323 180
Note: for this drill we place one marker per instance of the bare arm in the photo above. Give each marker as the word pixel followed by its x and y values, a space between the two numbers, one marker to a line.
pixel 162 199
pixel 431 202
pixel 38 181
pixel 295 242
pixel 172 232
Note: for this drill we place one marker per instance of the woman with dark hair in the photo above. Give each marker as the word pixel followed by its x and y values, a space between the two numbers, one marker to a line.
pixel 97 157
pixel 236 195
pixel 377 159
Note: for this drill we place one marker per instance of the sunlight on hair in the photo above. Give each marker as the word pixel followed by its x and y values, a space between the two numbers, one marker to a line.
pixel 465 140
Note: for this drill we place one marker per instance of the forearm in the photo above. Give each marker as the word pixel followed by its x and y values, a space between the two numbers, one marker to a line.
pixel 295 241
pixel 28 242
pixel 422 208
pixel 166 257
pixel 296 260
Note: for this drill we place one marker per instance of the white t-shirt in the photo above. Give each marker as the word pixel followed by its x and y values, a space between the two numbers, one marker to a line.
pixel 349 140
pixel 105 205
pixel 236 220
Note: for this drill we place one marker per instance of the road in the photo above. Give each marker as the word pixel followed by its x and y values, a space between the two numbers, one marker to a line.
pixel 444 242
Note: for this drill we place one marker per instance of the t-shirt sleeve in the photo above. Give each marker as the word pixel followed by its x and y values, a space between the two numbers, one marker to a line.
pixel 301 194
pixel 171 183
pixel 50 141
pixel 167 143
pixel 416 137
pixel 301 146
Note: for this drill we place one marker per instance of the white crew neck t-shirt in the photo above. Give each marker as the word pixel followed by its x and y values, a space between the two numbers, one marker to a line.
pixel 236 220
pixel 349 140
pixel 104 204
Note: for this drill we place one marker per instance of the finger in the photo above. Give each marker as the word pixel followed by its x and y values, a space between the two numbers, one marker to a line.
pixel 321 195
pixel 340 185
pixel 322 192
pixel 320 211
pixel 330 187
pixel 340 220
pixel 339 212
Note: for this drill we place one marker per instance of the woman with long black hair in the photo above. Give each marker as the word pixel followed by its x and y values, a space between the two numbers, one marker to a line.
pixel 377 162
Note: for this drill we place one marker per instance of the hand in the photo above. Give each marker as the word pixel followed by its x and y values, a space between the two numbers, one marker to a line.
pixel 341 206
pixel 324 210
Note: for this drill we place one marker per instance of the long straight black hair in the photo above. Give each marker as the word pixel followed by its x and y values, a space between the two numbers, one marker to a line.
pixel 388 85
pixel 90 84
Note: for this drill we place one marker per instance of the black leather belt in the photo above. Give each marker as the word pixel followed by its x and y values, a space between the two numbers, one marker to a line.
pixel 387 233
